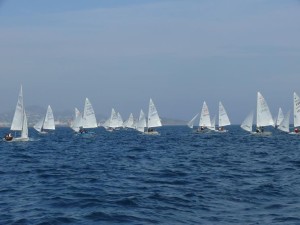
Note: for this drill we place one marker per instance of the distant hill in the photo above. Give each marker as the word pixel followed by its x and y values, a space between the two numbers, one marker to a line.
pixel 63 118
pixel 172 122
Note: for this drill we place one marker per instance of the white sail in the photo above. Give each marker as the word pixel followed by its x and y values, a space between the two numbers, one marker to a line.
pixel 280 117
pixel 17 122
pixel 38 126
pixel 285 123
pixel 89 118
pixel 263 116
pixel 49 120
pixel 130 122
pixel 296 110
pixel 77 121
pixel 153 117
pixel 24 133
pixel 114 119
pixel 141 124
pixel 204 118
pixel 120 120
pixel 213 124
pixel 247 123
pixel 106 123
pixel 223 117
pixel 191 122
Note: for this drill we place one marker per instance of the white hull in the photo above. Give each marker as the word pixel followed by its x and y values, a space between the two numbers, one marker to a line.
pixel 265 133
pixel 221 131
pixel 151 133
pixel 203 131
pixel 17 139
pixel 294 133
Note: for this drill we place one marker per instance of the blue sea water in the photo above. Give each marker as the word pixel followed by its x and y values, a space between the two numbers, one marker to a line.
pixel 178 177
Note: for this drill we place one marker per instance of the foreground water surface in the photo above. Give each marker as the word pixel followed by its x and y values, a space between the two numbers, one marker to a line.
pixel 178 177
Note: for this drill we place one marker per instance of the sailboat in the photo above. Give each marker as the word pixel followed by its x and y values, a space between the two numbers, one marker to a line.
pixel 88 118
pixel 141 124
pixel 248 122
pixel 279 118
pixel 77 121
pixel 223 118
pixel 296 114
pixel 113 121
pixel 46 123
pixel 129 123
pixel 285 123
pixel 213 124
pixel 19 122
pixel 191 122
pixel 153 119
pixel 263 117
pixel 204 119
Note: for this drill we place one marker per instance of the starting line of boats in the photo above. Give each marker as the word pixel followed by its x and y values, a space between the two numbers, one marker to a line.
pixel 81 123
pixel 263 118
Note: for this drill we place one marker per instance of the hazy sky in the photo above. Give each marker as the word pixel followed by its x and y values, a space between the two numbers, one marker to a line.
pixel 119 53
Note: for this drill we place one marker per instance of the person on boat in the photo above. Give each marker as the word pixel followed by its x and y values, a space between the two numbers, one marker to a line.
pixel 221 128
pixel 82 131
pixel 200 129
pixel 8 137
pixel 150 129
pixel 296 130
pixel 259 129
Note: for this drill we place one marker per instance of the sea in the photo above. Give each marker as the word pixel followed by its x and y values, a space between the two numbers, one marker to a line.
pixel 124 177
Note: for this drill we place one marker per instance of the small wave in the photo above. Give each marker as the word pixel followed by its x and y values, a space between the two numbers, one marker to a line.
pixel 57 220
pixel 274 206
pixel 114 217
pixel 127 202
pixel 287 219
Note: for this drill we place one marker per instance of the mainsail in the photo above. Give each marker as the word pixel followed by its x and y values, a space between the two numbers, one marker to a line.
pixel 263 116
pixel 153 118
pixel 247 123
pixel 89 118
pixel 223 117
pixel 204 118
pixel 296 110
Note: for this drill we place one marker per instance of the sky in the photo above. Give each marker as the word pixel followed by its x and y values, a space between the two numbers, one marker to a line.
pixel 119 53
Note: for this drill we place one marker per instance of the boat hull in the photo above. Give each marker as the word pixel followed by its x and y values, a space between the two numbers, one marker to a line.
pixel 151 133
pixel 265 133
pixel 16 139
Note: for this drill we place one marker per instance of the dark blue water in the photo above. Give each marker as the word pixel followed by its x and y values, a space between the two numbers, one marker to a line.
pixel 179 177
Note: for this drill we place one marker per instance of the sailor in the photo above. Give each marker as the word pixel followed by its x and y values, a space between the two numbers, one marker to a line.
pixel 8 137
pixel 296 130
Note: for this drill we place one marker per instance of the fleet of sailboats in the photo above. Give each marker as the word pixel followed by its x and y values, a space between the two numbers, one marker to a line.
pixel 147 124
pixel 207 124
